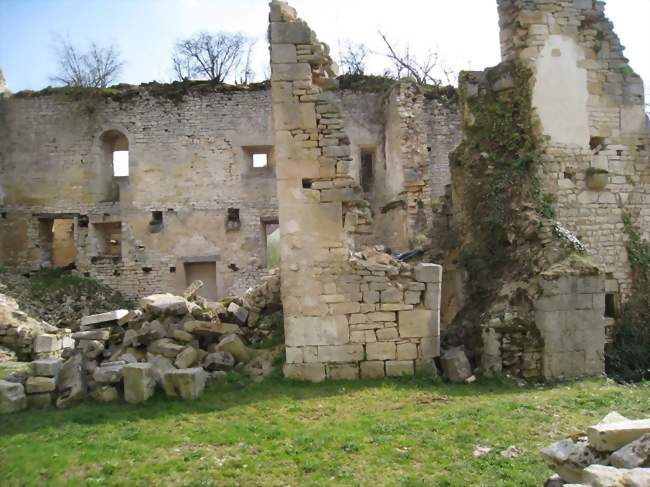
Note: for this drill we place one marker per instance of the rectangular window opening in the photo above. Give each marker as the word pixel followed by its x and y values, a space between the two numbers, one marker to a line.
pixel 611 305
pixel 205 272
pixel 156 222
pixel 367 169
pixel 260 160
pixel 120 163
pixel 232 219
pixel 271 234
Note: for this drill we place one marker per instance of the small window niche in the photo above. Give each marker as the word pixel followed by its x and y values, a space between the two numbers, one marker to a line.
pixel 108 239
pixel 612 305
pixel 156 222
pixel 232 220
pixel 258 158
pixel 367 169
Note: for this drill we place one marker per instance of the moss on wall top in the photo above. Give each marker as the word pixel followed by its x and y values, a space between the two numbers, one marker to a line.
pixel 379 84
pixel 175 91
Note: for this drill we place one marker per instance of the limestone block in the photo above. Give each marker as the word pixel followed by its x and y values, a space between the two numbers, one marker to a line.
pixel 165 347
pixel 553 286
pixel 12 397
pixel 312 372
pixel 281 11
pixel 340 353
pixel 293 355
pixel 71 382
pixel 139 382
pixel 40 401
pixel 344 308
pixel 342 371
pixel 218 361
pixel 612 436
pixel 290 33
pixel 429 347
pixel 105 393
pixel 372 370
pixel 47 367
pixel 398 368
pixel 455 365
pixel 636 477
pixel 159 365
pixel 239 312
pixel 385 334
pixel 101 335
pixel 186 358
pixel 310 330
pixel 108 374
pixel 569 458
pixel 186 384
pixel 426 367
pixel 182 336
pixel 407 351
pixel 290 72
pixel 283 53
pixel 417 323
pixel 103 318
pixel 412 297
pixel 392 295
pixel 432 296
pixel 632 455
pixel 381 316
pixel 234 345
pixel 381 351
pixel 293 115
pixel 165 304
pixel 46 343
pixel 38 385
pixel 428 273
pixel 602 476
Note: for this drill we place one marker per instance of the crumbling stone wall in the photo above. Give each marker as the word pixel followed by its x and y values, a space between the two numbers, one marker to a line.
pixel 345 314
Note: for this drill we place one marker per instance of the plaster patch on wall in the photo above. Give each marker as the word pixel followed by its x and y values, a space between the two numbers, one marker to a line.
pixel 560 94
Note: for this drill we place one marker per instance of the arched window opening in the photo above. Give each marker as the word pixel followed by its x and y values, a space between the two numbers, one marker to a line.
pixel 116 151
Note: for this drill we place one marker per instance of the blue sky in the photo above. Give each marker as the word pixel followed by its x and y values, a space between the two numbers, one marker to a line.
pixel 465 32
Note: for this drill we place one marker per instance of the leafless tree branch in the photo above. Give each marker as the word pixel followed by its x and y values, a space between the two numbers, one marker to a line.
pixel 99 67
pixel 406 63
pixel 353 58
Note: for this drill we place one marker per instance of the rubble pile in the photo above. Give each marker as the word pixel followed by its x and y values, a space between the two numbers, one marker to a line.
pixel 175 342
pixel 613 453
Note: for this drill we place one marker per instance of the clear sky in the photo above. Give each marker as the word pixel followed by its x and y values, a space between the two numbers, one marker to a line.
pixel 464 32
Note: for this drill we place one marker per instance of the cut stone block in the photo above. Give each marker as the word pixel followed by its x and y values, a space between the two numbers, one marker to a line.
pixel 398 368
pixel 312 330
pixel 455 365
pixel 71 382
pixel 46 343
pixel 40 401
pixel 160 365
pixel 186 358
pixel 239 312
pixel 372 370
pixel 417 323
pixel 139 382
pixel 428 272
pixel 103 317
pixel 186 384
pixel 343 371
pixel 312 372
pixel 569 458
pixel 612 436
pixel 47 367
pixel 218 361
pixel 341 353
pixel 381 351
pixel 105 394
pixel 165 347
pixel 12 397
pixel 91 348
pixel 165 304
pixel 234 345
pixel 633 455
pixel 38 385
pixel 108 374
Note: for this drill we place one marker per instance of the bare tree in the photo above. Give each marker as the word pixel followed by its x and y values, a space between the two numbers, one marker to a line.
pixel 354 57
pixel 98 67
pixel 247 72
pixel 421 70
pixel 209 56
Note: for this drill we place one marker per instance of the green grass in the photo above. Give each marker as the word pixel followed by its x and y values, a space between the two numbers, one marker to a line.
pixel 402 432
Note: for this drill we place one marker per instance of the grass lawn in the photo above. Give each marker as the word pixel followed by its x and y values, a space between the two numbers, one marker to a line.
pixel 399 432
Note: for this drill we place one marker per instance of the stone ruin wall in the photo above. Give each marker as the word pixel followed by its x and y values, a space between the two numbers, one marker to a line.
pixel 591 107
pixel 346 314
pixel 189 156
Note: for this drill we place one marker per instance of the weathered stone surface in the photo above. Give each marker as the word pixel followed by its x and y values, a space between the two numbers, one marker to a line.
pixel 105 393
pixel 40 401
pixel 37 385
pixel 428 272
pixel 46 367
pixel 186 384
pixel 160 365
pixel 417 323
pixel 372 369
pixel 612 436
pixel 340 353
pixel 91 348
pixel 218 361
pixel 312 372
pixel 139 382
pixel 343 371
pixel 103 317
pixel 239 313
pixel 633 455
pixel 455 365
pixel 637 477
pixel 381 351
pixel 234 345
pixel 186 358
pixel 398 368
pixel 569 458
pixel 12 397
pixel 165 304
pixel 602 476
pixel 71 382
pixel 46 343
pixel 101 334
pixel 165 347
pixel 108 374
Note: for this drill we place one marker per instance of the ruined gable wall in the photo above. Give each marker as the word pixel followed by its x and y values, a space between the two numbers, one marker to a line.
pixel 591 106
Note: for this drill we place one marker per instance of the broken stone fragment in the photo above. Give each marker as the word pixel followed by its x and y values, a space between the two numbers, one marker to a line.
pixel 47 367
pixel 108 374
pixel 569 458
pixel 186 358
pixel 38 385
pixel 91 348
pixel 148 332
pixel 192 289
pixel 238 312
pixel 455 365
pixel 165 347
pixel 234 345
pixel 182 336
pixel 218 361
pixel 46 343
pixel 202 328
pixel 602 476
pixel 633 455
pixel 105 393
pixel 101 334
pixel 71 383
pixel 612 436
pixel 12 397
pixel 130 316
pixel 159 365
pixel 139 382
pixel 428 273
pixel 186 384
pixel 88 321
pixel 165 304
